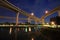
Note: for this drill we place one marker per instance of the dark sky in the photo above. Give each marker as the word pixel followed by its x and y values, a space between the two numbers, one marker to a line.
pixel 38 7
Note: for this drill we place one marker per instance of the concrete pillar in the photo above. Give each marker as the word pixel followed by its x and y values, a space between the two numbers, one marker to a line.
pixel 43 21
pixel 59 13
pixel 16 29
pixel 17 18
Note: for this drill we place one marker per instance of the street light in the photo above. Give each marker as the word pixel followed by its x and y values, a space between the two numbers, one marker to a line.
pixel 53 23
pixel 32 14
pixel 32 39
pixel 29 29
pixel 46 11
pixel 10 31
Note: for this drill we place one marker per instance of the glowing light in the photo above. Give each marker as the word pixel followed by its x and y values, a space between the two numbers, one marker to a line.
pixel 11 24
pixel 46 11
pixel 0 25
pixel 10 31
pixel 26 30
pixel 3 25
pixel 53 26
pixel 29 28
pixel 32 14
pixel 52 23
pixel 47 23
pixel 32 39
pixel 59 26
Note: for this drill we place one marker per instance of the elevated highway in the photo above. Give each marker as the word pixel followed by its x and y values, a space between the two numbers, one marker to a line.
pixel 57 9
pixel 8 5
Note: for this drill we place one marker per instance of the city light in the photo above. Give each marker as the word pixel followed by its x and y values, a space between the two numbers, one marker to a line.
pixel 10 30
pixel 31 24
pixel 46 11
pixel 32 14
pixel 26 30
pixel 32 39
pixel 47 23
pixel 53 23
pixel 29 28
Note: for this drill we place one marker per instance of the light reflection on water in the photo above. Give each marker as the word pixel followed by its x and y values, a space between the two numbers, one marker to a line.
pixel 22 33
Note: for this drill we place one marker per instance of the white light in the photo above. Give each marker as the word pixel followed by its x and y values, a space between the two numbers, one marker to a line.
pixel 10 30
pixel 32 39
pixel 59 26
pixel 52 23
pixel 32 14
pixel 11 24
pixel 47 23
pixel 46 11
pixel 3 25
pixel 26 30
pixel 29 28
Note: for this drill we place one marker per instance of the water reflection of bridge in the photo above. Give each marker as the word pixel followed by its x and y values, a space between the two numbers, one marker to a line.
pixel 26 35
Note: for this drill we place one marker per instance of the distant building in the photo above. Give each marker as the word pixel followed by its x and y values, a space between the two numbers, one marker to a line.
pixel 56 20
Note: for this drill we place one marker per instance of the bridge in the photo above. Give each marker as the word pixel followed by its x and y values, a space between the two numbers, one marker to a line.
pixel 8 5
pixel 57 9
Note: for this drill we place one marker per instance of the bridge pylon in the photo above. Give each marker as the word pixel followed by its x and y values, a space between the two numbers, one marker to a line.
pixel 42 21
pixel 59 13
pixel 17 18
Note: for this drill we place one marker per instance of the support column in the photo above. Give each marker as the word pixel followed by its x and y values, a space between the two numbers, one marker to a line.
pixel 43 21
pixel 59 13
pixel 17 18
pixel 16 29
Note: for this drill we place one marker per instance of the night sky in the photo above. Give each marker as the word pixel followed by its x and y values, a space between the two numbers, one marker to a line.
pixel 38 7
